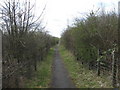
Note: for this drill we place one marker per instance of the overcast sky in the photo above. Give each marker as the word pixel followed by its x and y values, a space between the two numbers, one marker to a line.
pixel 59 12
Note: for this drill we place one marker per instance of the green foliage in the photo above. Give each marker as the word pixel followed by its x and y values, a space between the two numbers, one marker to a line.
pixel 24 38
pixel 42 78
pixel 86 37
pixel 81 76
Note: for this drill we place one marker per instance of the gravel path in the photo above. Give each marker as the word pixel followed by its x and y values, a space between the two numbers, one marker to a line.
pixel 60 77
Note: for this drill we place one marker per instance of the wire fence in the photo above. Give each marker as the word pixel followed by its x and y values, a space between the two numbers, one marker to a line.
pixel 109 67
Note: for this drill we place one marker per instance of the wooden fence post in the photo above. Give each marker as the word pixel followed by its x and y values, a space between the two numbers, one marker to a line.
pixel 119 44
pixel 98 63
pixel 0 59
pixel 98 68
pixel 114 70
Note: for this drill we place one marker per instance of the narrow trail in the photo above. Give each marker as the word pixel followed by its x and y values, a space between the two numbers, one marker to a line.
pixel 60 78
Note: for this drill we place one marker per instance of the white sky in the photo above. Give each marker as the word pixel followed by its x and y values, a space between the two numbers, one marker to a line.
pixel 58 12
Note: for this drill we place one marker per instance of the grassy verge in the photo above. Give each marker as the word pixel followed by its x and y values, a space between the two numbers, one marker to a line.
pixel 43 74
pixel 81 76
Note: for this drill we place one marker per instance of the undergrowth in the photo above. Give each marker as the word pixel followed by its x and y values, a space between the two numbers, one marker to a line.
pixel 82 76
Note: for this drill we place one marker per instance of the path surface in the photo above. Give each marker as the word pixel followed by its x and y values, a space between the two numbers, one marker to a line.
pixel 60 75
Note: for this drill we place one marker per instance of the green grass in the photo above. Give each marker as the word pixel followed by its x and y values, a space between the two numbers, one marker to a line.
pixel 81 76
pixel 42 77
